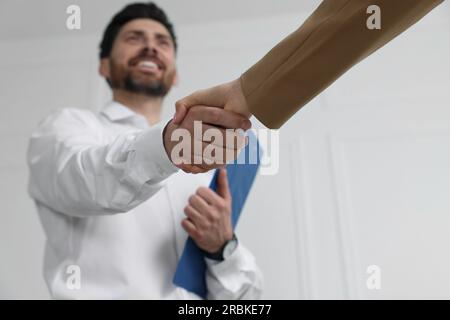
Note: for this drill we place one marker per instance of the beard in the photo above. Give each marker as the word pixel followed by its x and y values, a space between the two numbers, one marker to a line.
pixel 152 89
pixel 126 80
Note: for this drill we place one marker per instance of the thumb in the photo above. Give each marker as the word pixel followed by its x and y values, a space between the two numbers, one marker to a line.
pixel 181 109
pixel 223 188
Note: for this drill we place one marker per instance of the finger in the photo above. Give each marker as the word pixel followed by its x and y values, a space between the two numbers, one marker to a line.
pixel 190 228
pixel 198 220
pixel 200 131
pixel 208 162
pixel 199 204
pixel 220 118
pixel 209 196
pixel 223 189
pixel 207 157
pixel 200 162
pixel 229 138
pixel 213 97
pixel 216 162
pixel 188 167
pixel 202 157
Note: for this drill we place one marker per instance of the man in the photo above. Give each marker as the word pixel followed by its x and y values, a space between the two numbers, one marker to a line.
pixel 114 207
pixel 332 40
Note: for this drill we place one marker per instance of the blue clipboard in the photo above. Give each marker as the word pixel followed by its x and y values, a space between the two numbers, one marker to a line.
pixel 191 269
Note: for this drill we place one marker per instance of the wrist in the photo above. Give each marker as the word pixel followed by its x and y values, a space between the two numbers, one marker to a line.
pixel 239 105
pixel 166 139
pixel 224 251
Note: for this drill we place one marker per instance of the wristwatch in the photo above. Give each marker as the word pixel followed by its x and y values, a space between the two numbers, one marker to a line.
pixel 224 252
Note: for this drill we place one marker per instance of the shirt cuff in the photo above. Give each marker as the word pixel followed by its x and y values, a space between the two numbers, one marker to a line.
pixel 235 260
pixel 150 163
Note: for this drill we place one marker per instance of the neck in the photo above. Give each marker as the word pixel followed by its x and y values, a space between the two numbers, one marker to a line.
pixel 149 107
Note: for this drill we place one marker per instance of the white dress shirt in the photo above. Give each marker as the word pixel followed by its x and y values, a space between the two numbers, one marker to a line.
pixel 111 204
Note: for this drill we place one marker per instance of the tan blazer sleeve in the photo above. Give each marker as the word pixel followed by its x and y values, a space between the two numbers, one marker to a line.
pixel 332 40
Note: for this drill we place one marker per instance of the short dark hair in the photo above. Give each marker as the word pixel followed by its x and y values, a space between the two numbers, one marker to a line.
pixel 130 12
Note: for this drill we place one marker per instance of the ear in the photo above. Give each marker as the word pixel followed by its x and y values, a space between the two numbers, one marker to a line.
pixel 104 69
pixel 176 79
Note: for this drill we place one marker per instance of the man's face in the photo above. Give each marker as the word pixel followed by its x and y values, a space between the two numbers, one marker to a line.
pixel 142 59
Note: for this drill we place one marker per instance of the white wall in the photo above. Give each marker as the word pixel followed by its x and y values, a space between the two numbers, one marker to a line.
pixel 364 173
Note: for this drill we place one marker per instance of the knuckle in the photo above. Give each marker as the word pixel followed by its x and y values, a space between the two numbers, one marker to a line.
pixel 221 205
pixel 179 104
pixel 186 226
pixel 208 218
pixel 192 199
pixel 214 216
pixel 207 225
pixel 214 114
pixel 201 190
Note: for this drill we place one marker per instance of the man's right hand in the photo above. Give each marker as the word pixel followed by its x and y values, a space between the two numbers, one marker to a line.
pixel 195 160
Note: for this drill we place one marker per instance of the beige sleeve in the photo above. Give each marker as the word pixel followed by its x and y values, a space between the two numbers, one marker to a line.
pixel 332 40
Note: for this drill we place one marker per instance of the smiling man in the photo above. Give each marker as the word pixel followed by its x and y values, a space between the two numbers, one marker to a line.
pixel 111 201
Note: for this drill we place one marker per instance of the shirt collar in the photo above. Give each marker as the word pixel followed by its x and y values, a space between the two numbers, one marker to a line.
pixel 116 111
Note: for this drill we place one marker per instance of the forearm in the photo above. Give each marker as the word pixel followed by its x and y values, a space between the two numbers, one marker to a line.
pixel 75 175
pixel 330 42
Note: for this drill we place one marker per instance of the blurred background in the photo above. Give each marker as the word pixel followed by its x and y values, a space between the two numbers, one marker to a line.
pixel 364 173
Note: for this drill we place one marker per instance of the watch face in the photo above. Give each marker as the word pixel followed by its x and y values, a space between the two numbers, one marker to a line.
pixel 229 248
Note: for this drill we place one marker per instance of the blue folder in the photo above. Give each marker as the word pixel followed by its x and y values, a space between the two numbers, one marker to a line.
pixel 190 273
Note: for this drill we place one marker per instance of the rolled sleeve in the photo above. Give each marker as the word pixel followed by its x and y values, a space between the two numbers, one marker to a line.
pixel 237 277
pixel 150 162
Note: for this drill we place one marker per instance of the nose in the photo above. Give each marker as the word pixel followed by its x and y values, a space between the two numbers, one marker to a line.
pixel 150 48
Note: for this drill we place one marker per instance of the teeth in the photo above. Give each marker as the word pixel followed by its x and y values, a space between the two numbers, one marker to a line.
pixel 148 64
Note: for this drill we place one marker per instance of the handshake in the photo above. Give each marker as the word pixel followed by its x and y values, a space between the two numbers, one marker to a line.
pixel 210 124
pixel 285 79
